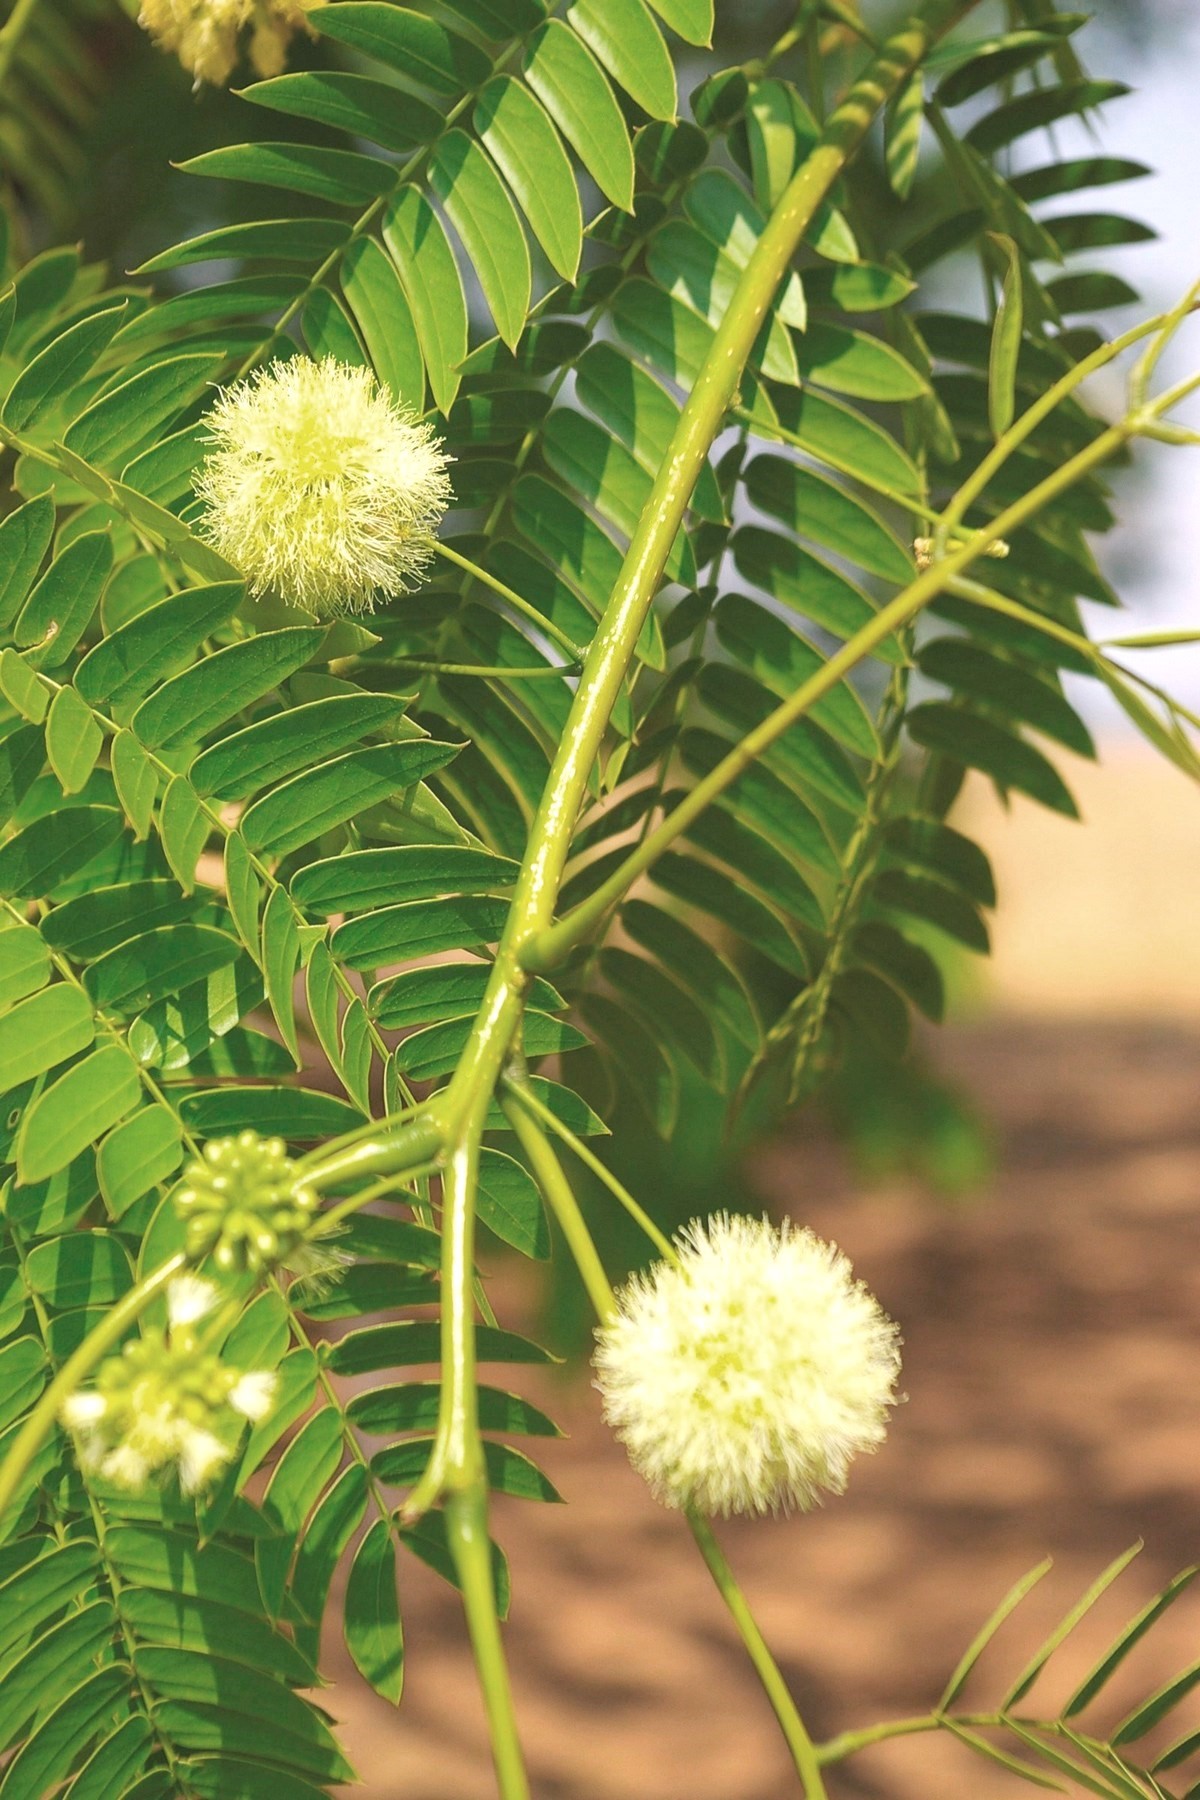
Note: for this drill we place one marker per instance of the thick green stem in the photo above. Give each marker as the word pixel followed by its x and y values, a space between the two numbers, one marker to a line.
pixel 77 1368
pixel 466 1529
pixel 455 1465
pixel 835 1749
pixel 800 1744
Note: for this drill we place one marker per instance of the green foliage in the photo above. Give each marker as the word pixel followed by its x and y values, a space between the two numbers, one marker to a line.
pixel 238 842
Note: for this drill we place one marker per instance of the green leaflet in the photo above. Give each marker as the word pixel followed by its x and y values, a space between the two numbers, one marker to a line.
pixel 369 878
pixel 477 204
pixel 574 90
pixel 419 928
pixel 24 539
pixel 341 176
pixel 156 644
pixel 418 1341
pixel 817 508
pixel 74 1111
pixel 333 1523
pixel 412 1406
pixel 626 40
pixel 51 849
pixel 56 369
pixel 187 706
pixel 136 1156
pixel 377 299
pixel 354 103
pixel 133 975
pixel 517 133
pixel 417 242
pixel 42 1031
pixel 113 427
pixel 308 805
pixel 57 612
pixel 296 1484
pixel 24 963
pixel 509 1471
pixel 372 1613
pixel 73 740
pixel 424 51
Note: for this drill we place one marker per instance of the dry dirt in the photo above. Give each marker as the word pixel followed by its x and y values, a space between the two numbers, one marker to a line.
pixel 1051 1367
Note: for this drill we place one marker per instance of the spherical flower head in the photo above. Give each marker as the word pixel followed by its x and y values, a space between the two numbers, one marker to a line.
pixel 166 1403
pixel 243 1204
pixel 746 1376
pixel 204 34
pixel 319 487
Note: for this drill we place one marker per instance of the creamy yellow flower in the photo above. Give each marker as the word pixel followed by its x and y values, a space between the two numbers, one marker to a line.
pixel 166 1402
pixel 745 1377
pixel 319 487
pixel 204 34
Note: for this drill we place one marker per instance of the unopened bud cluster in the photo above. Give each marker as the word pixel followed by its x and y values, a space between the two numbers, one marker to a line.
pixel 243 1204
pixel 166 1402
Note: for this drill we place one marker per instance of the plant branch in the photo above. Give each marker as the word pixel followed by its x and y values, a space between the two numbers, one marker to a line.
pixel 552 945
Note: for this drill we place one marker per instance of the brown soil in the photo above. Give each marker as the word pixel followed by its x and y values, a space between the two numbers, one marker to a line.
pixel 1051 1365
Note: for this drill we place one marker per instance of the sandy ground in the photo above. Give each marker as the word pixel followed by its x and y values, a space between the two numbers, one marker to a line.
pixel 1051 1363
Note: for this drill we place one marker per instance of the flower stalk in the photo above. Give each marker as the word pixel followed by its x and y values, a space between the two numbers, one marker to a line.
pixel 559 1196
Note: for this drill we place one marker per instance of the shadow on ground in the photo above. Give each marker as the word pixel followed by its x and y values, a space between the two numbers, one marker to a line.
pixel 1051 1366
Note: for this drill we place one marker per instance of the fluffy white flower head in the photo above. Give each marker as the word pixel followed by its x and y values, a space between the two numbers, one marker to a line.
pixel 746 1377
pixel 320 487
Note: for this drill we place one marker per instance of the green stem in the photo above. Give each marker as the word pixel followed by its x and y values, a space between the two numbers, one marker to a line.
pixel 331 1220
pixel 560 1197
pixel 553 944
pixel 466 1530
pixel 1032 417
pixel 546 626
pixel 415 1144
pixel 804 1753
pixel 494 671
pixel 848 1742
pixel 77 1367
pixel 12 31
pixel 527 1099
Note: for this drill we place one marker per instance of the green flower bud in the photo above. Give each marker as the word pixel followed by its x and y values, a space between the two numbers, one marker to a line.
pixel 243 1205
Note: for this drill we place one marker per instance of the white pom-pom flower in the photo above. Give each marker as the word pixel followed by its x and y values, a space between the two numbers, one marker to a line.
pixel 319 487
pixel 746 1376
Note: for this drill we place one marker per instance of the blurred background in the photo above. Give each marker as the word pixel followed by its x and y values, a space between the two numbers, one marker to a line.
pixel 1030 1218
